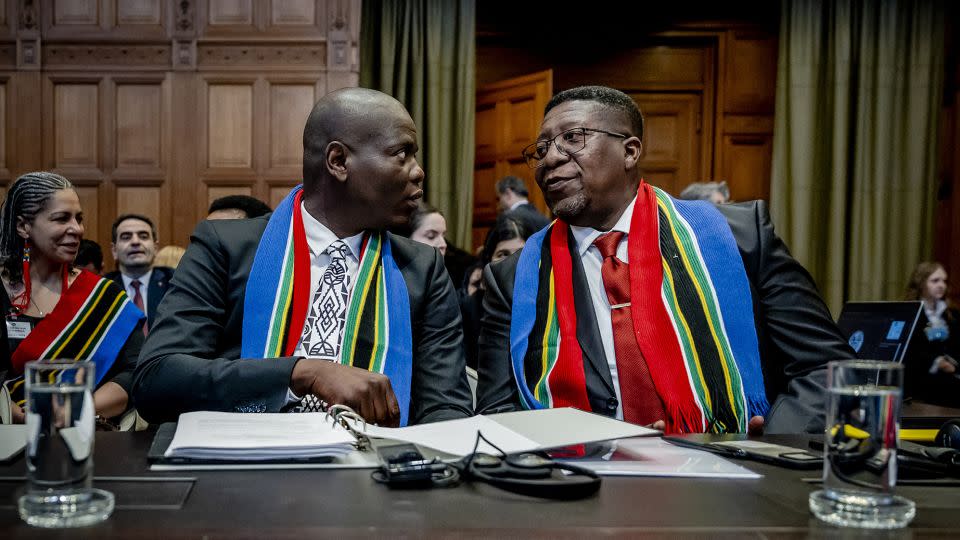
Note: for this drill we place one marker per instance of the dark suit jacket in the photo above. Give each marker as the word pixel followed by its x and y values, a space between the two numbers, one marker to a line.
pixel 159 283
pixel 796 333
pixel 191 359
pixel 529 216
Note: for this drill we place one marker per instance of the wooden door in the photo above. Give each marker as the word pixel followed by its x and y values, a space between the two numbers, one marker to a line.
pixel 671 138
pixel 508 117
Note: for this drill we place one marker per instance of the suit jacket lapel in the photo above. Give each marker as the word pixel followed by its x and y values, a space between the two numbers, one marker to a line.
pixel 588 331
pixel 158 282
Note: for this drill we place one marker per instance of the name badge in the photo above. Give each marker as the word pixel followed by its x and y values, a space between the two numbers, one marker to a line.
pixel 18 329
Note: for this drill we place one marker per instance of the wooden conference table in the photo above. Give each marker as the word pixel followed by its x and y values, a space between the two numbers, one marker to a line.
pixel 347 503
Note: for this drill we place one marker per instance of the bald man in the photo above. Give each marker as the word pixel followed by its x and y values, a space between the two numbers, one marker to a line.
pixel 316 304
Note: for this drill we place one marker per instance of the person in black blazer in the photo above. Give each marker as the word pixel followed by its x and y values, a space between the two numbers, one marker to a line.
pixel 512 198
pixel 796 334
pixel 360 174
pixel 134 247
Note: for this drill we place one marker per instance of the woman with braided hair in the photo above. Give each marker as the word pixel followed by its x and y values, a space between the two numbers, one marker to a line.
pixel 53 310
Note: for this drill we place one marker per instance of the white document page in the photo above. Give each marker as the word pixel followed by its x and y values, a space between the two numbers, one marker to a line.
pixel 566 425
pixel 656 457
pixel 456 437
pixel 222 435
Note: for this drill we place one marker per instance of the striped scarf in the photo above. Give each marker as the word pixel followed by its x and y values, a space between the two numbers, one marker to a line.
pixel 92 321
pixel 692 317
pixel 377 335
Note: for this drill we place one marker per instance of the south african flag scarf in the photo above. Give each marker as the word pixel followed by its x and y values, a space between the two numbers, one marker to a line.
pixel 92 321
pixel 692 317
pixel 377 336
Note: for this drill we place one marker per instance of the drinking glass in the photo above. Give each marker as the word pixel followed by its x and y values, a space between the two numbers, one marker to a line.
pixel 860 447
pixel 60 426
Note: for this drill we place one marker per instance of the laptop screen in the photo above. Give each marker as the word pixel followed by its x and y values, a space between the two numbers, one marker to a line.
pixel 879 330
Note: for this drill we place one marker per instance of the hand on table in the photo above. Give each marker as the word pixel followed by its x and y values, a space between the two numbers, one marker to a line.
pixel 369 394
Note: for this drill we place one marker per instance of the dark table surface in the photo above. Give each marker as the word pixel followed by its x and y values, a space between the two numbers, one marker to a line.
pixel 347 503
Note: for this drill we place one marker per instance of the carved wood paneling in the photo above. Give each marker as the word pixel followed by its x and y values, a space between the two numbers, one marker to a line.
pixel 293 12
pixel 139 12
pixel 76 12
pixel 671 139
pixel 89 196
pixel 4 168
pixel 230 126
pixel 746 166
pixel 290 105
pixel 230 13
pixel 139 120
pixel 278 192
pixel 246 56
pixel 76 122
pixel 141 200
pixel 105 56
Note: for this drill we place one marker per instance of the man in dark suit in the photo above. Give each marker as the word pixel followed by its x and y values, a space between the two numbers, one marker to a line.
pixel 134 247
pixel 361 176
pixel 587 163
pixel 512 198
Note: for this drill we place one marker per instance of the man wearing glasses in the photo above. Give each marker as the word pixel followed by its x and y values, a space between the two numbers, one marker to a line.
pixel 633 304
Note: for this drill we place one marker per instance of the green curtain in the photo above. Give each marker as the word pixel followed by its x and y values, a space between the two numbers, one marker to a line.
pixel 422 53
pixel 859 87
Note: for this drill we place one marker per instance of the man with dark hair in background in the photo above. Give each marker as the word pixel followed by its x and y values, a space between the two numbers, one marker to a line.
pixel 134 247
pixel 89 257
pixel 512 199
pixel 237 207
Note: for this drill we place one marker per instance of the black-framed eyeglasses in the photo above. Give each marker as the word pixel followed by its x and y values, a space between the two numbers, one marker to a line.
pixel 568 143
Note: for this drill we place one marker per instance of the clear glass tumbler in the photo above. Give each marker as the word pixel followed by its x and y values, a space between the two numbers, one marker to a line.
pixel 60 428
pixel 860 447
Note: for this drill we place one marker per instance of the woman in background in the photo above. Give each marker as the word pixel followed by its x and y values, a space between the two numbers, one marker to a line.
pixel 169 256
pixel 933 370
pixel 41 225
pixel 428 226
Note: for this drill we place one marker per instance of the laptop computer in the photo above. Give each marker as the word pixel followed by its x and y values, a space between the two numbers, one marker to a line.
pixel 880 330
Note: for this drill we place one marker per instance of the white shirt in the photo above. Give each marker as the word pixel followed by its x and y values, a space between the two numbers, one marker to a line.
pixel 521 202
pixel 319 238
pixel 144 285
pixel 592 261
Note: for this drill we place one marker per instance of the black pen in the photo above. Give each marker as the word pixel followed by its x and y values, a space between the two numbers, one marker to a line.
pixel 710 447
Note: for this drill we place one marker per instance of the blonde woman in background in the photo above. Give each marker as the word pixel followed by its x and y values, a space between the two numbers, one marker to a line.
pixel 169 256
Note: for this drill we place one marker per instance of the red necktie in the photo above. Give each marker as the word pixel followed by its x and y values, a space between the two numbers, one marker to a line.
pixel 641 404
pixel 138 301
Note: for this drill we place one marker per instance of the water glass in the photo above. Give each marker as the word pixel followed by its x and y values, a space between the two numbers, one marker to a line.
pixel 60 421
pixel 860 449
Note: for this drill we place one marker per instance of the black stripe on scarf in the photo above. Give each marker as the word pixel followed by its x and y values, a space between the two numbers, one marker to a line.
pixel 533 364
pixel 367 330
pixel 688 300
pixel 88 329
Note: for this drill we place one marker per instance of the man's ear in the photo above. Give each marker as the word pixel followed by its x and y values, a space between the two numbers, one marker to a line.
pixel 335 159
pixel 113 250
pixel 23 228
pixel 632 150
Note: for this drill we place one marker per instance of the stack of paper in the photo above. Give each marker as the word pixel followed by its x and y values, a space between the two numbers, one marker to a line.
pixel 208 435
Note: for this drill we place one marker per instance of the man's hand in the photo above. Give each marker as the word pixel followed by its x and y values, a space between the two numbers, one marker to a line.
pixel 947 365
pixel 369 394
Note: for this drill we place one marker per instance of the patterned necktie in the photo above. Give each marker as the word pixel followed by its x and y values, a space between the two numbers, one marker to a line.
pixel 138 301
pixel 328 312
pixel 641 404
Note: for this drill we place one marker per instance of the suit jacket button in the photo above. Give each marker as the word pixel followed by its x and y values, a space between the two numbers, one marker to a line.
pixel 612 403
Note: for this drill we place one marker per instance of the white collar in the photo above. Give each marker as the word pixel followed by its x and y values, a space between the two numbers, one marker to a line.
pixel 521 202
pixel 585 236
pixel 144 279
pixel 319 236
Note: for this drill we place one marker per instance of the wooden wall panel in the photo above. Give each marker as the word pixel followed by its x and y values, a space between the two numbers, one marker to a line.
pixel 89 196
pixel 290 104
pixel 3 128
pixel 141 200
pixel 746 164
pixel 293 12
pixel 230 126
pixel 139 12
pixel 671 139
pixel 76 12
pixel 230 12
pixel 139 121
pixel 76 108
pixel 277 193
